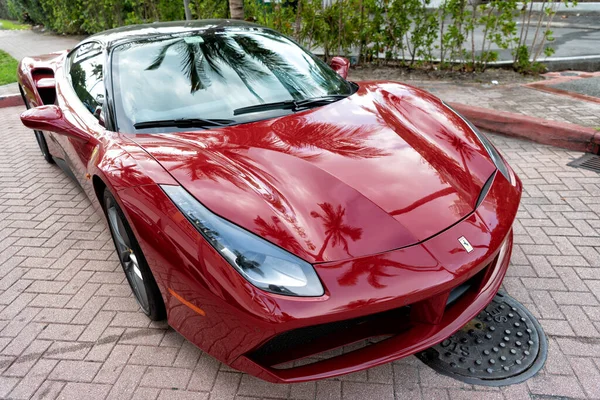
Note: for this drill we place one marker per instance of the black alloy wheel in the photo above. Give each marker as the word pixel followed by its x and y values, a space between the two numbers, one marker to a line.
pixel 132 260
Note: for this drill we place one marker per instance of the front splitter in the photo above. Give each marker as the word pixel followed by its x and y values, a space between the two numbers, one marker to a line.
pixel 503 345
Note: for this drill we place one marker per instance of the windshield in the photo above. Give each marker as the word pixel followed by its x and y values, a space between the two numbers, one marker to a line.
pixel 210 74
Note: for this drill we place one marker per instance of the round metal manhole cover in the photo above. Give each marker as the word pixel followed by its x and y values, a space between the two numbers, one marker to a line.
pixel 503 345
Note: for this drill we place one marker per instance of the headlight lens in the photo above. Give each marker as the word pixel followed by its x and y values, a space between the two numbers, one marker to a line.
pixel 494 155
pixel 263 264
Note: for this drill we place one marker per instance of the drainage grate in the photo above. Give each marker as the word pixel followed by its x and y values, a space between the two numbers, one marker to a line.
pixel 503 345
pixel 587 161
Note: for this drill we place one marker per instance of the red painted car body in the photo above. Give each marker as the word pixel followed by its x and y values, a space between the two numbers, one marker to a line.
pixel 373 190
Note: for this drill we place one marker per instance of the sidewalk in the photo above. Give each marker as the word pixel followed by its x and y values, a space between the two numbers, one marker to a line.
pixel 20 44
pixel 518 99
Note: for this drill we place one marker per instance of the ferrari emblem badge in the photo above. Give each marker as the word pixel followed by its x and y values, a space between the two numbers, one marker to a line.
pixel 465 243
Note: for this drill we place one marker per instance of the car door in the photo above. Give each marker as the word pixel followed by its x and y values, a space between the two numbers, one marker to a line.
pixel 81 97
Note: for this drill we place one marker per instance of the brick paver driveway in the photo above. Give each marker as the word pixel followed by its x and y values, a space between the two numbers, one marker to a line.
pixel 69 327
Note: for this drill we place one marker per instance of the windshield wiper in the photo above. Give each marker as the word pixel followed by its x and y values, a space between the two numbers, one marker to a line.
pixel 290 104
pixel 184 123
pixel 320 100
pixel 279 105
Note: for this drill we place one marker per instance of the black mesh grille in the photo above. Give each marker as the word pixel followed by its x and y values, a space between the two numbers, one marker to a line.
pixel 309 340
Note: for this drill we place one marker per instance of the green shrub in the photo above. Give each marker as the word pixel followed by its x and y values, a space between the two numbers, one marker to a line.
pixel 375 30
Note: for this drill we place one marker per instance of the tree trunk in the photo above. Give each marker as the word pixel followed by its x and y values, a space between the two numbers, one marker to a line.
pixel 188 12
pixel 341 2
pixel 298 25
pixel 236 9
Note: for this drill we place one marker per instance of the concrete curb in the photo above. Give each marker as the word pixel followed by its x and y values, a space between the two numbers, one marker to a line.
pixel 554 133
pixel 11 100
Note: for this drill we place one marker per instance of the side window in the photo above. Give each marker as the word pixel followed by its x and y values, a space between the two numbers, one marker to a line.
pixel 86 71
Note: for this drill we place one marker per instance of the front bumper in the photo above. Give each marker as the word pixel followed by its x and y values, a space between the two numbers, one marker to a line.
pixel 402 294
pixel 418 327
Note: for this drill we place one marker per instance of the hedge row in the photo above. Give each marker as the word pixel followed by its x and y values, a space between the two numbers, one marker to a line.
pixel 381 30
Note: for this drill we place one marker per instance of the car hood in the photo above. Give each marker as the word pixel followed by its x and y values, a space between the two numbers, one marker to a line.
pixel 388 167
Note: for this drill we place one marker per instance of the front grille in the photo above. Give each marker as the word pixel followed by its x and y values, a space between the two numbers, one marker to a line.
pixel 472 283
pixel 311 341
pixel 303 342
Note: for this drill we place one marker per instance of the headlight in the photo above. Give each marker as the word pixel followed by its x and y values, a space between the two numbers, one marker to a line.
pixel 263 264
pixel 494 155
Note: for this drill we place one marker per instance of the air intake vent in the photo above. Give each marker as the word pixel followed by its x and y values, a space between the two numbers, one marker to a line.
pixel 587 161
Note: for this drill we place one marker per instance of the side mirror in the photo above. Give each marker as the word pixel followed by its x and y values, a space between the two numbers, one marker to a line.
pixel 340 65
pixel 51 118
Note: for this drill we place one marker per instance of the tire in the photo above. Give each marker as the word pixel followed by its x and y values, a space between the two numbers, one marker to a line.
pixel 39 136
pixel 138 273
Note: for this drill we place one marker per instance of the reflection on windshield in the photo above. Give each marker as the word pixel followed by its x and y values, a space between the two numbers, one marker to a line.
pixel 210 73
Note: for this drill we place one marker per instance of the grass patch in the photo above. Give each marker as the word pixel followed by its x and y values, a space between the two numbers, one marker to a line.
pixel 12 25
pixel 8 69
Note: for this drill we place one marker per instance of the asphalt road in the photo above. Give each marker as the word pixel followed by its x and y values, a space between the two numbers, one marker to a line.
pixel 588 86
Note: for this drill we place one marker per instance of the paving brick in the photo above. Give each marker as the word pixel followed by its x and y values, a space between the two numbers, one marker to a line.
pixel 166 394
pixel 363 390
pixel 227 384
pixel 469 394
pixel 433 394
pixel 555 385
pixel 557 327
pixel 204 374
pixel 145 393
pixel 68 350
pixel 580 347
pixel 48 390
pixel 151 355
pixel 575 298
pixel 75 371
pixel 26 360
pixel 329 390
pixel 61 332
pixel 580 322
pixel 251 386
pixel 166 377
pixel 587 374
pixel 35 377
pixel 571 279
pixel 103 347
pixel 6 385
pixel 23 339
pixel 188 355
pixel 93 391
pixel 128 380
pixel 114 364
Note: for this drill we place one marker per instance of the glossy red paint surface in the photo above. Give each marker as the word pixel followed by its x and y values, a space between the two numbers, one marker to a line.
pixel 373 190
pixel 377 165
pixel 340 65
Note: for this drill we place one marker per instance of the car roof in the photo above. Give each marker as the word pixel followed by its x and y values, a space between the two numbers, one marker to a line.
pixel 116 36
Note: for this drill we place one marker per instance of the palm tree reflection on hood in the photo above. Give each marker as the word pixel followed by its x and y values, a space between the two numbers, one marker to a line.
pixel 375 268
pixel 205 60
pixel 279 234
pixel 336 230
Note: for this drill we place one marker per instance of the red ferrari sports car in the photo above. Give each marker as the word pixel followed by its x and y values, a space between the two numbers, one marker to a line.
pixel 269 208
